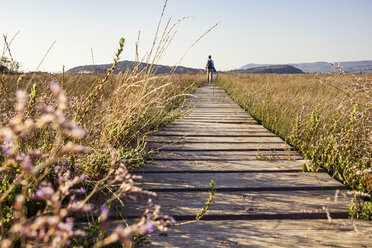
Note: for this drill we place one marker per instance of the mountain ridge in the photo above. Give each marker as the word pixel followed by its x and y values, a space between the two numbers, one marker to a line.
pixel 361 66
pixel 124 65
pixel 277 69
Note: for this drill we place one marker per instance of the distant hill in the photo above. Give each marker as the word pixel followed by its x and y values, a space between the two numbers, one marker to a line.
pixel 364 66
pixel 277 69
pixel 122 66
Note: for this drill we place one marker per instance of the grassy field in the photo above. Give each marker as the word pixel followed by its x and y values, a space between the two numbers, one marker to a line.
pixel 66 137
pixel 327 118
pixel 125 108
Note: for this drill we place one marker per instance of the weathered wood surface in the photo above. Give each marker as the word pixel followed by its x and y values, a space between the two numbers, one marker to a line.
pixel 207 146
pixel 228 155
pixel 238 179
pixel 223 166
pixel 267 204
pixel 266 233
pixel 263 198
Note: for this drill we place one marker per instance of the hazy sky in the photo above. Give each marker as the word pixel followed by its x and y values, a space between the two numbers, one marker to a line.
pixel 251 31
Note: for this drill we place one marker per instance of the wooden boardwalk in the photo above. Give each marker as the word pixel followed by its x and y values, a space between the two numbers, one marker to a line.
pixel 263 198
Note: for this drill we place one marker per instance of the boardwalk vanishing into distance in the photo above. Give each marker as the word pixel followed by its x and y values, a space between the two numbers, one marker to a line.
pixel 263 199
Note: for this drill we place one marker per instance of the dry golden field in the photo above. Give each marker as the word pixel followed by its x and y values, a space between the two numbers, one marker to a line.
pixel 328 118
pixel 66 137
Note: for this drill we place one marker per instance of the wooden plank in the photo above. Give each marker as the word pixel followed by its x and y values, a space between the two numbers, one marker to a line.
pixel 217 105
pixel 217 124
pixel 266 233
pixel 228 155
pixel 211 123
pixel 230 108
pixel 212 97
pixel 225 112
pixel 216 118
pixel 220 166
pixel 215 133
pixel 236 180
pixel 207 114
pixel 218 110
pixel 212 104
pixel 242 203
pixel 214 122
pixel 210 128
pixel 219 146
pixel 201 139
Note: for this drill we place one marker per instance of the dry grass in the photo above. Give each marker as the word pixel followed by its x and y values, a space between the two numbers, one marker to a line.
pixel 63 165
pixel 276 100
pixel 128 106
pixel 328 118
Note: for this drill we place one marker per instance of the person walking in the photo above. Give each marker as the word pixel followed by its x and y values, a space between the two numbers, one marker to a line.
pixel 210 69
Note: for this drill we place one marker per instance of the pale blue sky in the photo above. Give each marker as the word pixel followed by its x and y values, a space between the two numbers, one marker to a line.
pixel 251 31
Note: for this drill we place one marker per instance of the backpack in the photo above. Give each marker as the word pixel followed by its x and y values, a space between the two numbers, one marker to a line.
pixel 209 64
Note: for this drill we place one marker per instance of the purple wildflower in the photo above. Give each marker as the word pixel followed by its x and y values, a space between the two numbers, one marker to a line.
pixel 57 168
pixel 44 192
pixel 104 213
pixel 5 150
pixel 149 227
